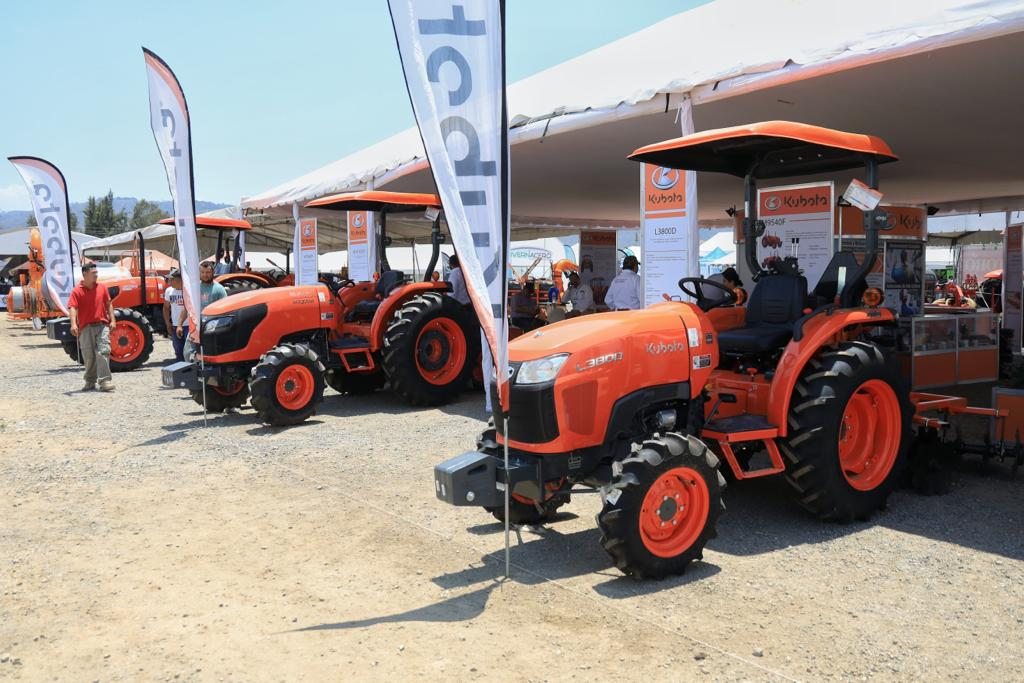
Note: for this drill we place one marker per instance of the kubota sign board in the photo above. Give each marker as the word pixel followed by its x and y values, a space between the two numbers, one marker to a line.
pixel 798 222
pixel 359 267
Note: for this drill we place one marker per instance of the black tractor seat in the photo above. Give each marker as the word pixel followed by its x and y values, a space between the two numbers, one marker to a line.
pixel 775 304
pixel 389 280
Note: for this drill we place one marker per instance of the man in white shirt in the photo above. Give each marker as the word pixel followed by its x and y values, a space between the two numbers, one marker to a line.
pixel 579 296
pixel 174 311
pixel 624 293
pixel 457 281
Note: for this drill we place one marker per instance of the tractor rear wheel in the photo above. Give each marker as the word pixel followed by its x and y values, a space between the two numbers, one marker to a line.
pixel 849 431
pixel 131 342
pixel 221 399
pixel 355 383
pixel 428 349
pixel 239 286
pixel 287 384
pixel 663 507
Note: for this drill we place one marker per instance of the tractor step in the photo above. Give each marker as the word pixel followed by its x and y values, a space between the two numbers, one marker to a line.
pixel 745 429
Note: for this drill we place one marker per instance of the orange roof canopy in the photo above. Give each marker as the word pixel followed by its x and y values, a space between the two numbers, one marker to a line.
pixel 780 149
pixel 377 200
pixel 216 223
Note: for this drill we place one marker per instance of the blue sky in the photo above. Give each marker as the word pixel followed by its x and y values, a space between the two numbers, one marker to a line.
pixel 274 89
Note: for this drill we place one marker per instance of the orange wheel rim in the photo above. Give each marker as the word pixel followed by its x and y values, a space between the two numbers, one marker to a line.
pixel 869 435
pixel 674 512
pixel 294 387
pixel 127 341
pixel 440 351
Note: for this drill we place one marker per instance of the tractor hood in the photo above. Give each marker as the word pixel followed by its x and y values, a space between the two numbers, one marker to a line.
pixel 272 296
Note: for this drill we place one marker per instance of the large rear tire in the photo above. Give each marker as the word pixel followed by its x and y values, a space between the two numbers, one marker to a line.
pixel 287 384
pixel 131 342
pixel 219 400
pixel 428 350
pixel 849 431
pixel 355 383
pixel 663 508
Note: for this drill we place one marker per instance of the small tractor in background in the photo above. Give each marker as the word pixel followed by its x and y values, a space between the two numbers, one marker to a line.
pixel 29 301
pixel 281 346
pixel 643 407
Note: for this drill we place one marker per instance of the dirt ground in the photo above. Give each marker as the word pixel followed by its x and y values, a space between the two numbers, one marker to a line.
pixel 137 544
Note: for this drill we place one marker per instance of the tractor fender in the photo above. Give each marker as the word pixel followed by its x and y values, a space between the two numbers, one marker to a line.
pixel 823 329
pixel 387 308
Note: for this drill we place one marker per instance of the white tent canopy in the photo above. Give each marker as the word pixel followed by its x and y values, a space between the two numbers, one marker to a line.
pixel 935 79
pixel 14 242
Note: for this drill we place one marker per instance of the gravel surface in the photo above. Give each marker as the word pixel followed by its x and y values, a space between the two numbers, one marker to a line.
pixel 137 544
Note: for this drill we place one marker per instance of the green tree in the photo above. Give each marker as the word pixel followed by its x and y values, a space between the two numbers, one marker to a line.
pixel 100 218
pixel 145 214
pixel 31 222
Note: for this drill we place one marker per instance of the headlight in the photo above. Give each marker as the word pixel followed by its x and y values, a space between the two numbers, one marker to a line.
pixel 221 323
pixel 541 369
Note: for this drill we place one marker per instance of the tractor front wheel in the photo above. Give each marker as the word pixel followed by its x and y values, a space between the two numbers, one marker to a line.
pixel 662 507
pixel 221 399
pixel 428 349
pixel 850 428
pixel 131 341
pixel 287 384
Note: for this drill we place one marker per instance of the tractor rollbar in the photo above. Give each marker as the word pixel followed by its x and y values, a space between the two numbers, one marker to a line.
pixel 871 220
pixel 436 239
pixel 383 241
pixel 142 265
pixel 750 221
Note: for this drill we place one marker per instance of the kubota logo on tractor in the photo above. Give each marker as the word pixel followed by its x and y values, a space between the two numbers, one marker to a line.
pixel 662 347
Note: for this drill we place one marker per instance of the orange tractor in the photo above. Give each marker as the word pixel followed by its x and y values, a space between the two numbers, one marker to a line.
pixel 138 308
pixel 29 301
pixel 281 346
pixel 643 407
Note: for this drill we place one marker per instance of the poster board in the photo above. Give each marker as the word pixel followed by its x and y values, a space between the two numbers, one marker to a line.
pixel 799 221
pixel 598 261
pixel 306 261
pixel 904 277
pixel 1012 284
pixel 359 267
pixel 668 229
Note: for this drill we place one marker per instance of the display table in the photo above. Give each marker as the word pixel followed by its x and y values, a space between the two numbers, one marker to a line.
pixel 951 349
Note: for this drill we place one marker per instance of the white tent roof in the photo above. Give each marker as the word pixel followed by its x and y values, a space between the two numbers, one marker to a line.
pixel 14 242
pixel 875 66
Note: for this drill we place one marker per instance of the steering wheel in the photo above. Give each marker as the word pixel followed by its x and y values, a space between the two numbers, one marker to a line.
pixel 697 292
pixel 336 284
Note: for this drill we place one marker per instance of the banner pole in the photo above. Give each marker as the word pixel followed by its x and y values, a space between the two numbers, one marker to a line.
pixel 508 561
pixel 202 378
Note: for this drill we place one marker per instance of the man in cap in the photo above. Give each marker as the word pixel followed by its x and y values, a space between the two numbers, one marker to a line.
pixel 579 296
pixel 174 313
pixel 626 290
pixel 728 277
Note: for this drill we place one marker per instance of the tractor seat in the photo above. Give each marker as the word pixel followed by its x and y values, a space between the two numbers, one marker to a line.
pixel 775 304
pixel 389 280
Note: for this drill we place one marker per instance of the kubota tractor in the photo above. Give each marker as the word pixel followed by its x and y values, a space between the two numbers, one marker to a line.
pixel 643 406
pixel 282 345
pixel 138 308
pixel 29 301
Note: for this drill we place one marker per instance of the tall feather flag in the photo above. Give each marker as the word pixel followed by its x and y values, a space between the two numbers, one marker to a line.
pixel 49 193
pixel 453 57
pixel 168 116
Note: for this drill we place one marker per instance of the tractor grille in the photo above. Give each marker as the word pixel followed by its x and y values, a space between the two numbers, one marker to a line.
pixel 236 336
pixel 532 416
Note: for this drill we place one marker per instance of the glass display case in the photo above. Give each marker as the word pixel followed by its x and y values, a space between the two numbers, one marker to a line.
pixel 953 349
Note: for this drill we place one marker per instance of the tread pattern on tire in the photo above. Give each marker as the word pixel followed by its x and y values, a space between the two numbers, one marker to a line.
pixel 618 521
pixel 263 389
pixel 399 354
pixel 217 402
pixel 519 512
pixel 811 449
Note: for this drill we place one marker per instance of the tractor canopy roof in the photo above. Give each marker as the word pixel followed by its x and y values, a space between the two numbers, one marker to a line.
pixel 375 200
pixel 780 149
pixel 215 223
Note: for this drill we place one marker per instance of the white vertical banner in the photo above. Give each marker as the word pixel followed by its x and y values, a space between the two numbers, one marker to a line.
pixel 669 234
pixel 306 271
pixel 49 193
pixel 453 57
pixel 168 116
pixel 360 267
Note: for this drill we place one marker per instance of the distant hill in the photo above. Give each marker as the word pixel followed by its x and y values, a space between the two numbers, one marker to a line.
pixel 17 219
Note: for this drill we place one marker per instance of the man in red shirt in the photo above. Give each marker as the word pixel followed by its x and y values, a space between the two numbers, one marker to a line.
pixel 92 321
